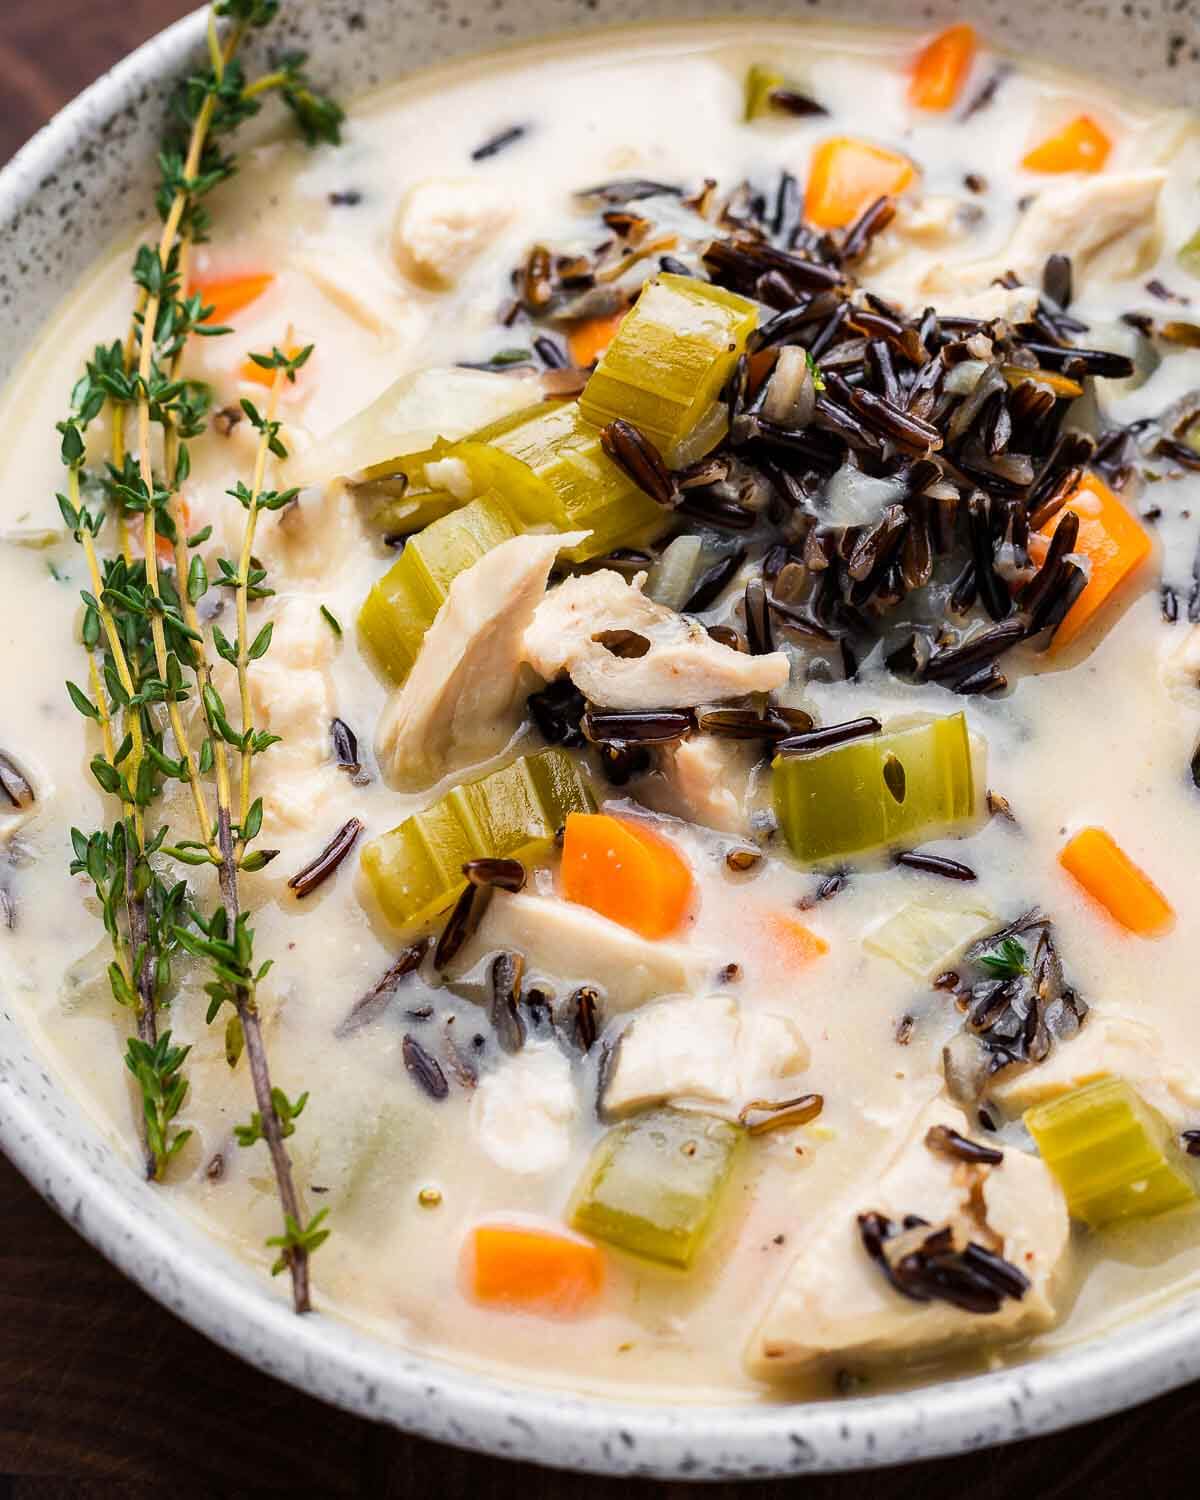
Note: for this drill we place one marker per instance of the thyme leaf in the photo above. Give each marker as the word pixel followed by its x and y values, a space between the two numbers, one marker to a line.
pixel 1008 960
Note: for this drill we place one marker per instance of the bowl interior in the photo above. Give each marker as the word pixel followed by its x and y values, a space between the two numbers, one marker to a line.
pixel 85 180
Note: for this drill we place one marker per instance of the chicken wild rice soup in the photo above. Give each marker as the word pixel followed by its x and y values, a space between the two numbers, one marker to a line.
pixel 629 769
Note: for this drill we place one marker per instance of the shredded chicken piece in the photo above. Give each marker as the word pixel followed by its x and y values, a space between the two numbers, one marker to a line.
pixel 566 946
pixel 704 1052
pixel 835 1303
pixel 705 779
pixel 1107 1044
pixel 584 623
pixel 1179 665
pixel 461 700
pixel 1107 224
pixel 521 1113
pixel 443 224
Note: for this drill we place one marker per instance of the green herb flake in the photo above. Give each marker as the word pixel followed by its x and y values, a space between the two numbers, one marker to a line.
pixel 1008 960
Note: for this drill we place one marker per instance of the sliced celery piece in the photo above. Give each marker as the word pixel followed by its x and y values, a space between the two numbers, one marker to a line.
pixel 925 939
pixel 400 607
pixel 652 1185
pixel 1108 1150
pixel 761 83
pixel 548 465
pixel 666 366
pixel 387 1152
pixel 415 870
pixel 413 511
pixel 1189 255
pixel 854 798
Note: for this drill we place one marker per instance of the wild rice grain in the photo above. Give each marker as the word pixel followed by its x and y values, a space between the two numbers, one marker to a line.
pixel 498 142
pixel 828 735
pixel 372 1005
pixel 305 881
pixel 943 1141
pixel 424 1070
pixel 637 457
pixel 935 864
pixel 507 969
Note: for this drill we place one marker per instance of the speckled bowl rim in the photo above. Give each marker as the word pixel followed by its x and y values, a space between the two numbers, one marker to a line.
pixel 201 1282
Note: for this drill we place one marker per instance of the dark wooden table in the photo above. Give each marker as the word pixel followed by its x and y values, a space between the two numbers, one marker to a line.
pixel 102 1393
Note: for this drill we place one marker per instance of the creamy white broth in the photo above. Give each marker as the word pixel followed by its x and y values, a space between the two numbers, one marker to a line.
pixel 1092 736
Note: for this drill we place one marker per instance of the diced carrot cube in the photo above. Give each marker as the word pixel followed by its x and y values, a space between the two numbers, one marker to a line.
pixel 258 374
pixel 846 175
pixel 1113 541
pixel 227 296
pixel 1080 146
pixel 587 341
pixel 792 941
pixel 1110 877
pixel 941 69
pixel 534 1270
pixel 626 872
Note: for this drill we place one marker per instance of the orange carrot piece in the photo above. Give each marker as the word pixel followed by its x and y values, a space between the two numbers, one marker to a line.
pixel 228 295
pixel 534 1270
pixel 1080 146
pixel 1114 542
pixel 626 872
pixel 1110 877
pixel 183 520
pixel 792 942
pixel 941 69
pixel 257 374
pixel 587 341
pixel 846 175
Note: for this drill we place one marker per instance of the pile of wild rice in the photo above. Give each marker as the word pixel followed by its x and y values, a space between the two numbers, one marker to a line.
pixel 1013 1013
pixel 929 1265
pixel 966 420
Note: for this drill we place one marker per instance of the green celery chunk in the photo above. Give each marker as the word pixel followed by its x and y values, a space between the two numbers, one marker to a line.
pixel 415 870
pixel 925 938
pixel 652 1185
pixel 854 799
pixel 1189 255
pixel 401 606
pixel 761 83
pixel 413 511
pixel 1108 1150
pixel 542 467
pixel 548 465
pixel 667 364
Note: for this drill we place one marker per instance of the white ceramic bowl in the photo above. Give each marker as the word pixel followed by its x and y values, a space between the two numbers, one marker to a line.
pixel 82 181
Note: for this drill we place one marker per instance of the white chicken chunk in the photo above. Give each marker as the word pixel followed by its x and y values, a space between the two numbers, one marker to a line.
pixel 706 1053
pixel 1107 224
pixel 579 622
pixel 444 223
pixel 835 1302
pixel 521 1114
pixel 314 537
pixel 291 695
pixel 461 700
pixel 570 944
pixel 1179 668
pixel 1113 1045
pixel 705 779
pixel 922 227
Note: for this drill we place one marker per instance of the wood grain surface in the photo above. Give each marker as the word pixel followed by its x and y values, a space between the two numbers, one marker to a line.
pixel 103 1394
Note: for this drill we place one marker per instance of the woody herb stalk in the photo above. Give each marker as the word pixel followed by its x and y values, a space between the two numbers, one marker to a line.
pixel 148 656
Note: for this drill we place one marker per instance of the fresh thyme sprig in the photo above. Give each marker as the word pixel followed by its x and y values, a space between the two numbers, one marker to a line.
pixel 147 650
pixel 1008 960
